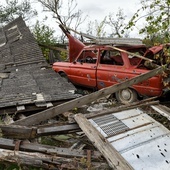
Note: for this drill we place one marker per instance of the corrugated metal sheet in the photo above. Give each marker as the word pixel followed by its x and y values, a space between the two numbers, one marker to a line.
pixel 142 141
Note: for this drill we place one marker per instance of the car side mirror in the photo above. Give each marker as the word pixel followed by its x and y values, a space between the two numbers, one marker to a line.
pixel 74 62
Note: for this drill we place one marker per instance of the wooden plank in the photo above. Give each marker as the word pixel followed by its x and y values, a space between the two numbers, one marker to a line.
pixel 18 132
pixel 162 109
pixel 133 54
pixel 54 48
pixel 52 112
pixel 53 130
pixel 142 103
pixel 23 132
pixel 46 161
pixel 115 160
pixel 120 108
pixel 59 151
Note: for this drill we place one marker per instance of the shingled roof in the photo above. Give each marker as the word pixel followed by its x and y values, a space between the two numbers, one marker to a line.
pixel 25 77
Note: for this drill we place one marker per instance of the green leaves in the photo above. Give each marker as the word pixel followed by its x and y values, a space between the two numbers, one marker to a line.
pixel 14 9
pixel 157 17
pixel 43 34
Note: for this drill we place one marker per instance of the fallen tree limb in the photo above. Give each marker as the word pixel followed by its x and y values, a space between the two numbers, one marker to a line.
pixel 52 112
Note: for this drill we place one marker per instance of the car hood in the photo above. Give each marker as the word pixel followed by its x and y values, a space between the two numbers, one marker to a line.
pixel 75 46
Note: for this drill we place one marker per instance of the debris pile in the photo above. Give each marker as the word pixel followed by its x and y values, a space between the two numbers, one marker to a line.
pixel 58 135
pixel 106 139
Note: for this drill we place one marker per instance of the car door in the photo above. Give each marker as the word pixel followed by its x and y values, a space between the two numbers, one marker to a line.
pixel 111 69
pixel 83 69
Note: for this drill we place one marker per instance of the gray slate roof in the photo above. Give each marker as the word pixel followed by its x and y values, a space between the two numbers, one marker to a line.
pixel 25 77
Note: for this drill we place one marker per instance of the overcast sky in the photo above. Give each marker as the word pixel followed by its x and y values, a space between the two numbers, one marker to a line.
pixel 98 9
pixel 101 8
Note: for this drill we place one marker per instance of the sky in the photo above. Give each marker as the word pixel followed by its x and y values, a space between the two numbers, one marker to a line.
pixel 98 9
pixel 101 8
pixel 95 9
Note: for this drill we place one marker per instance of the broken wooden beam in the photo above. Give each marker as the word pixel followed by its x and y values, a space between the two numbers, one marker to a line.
pixel 138 104
pixel 162 109
pixel 18 132
pixel 51 150
pixel 23 132
pixel 53 130
pixel 113 157
pixel 54 111
pixel 45 161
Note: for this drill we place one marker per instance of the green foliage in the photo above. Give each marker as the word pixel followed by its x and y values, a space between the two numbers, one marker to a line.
pixel 14 9
pixel 5 166
pixel 63 55
pixel 44 36
pixel 157 17
pixel 100 27
pixel 159 38
pixel 12 166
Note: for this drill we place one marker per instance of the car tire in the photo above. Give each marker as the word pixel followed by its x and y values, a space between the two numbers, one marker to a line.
pixel 64 76
pixel 126 96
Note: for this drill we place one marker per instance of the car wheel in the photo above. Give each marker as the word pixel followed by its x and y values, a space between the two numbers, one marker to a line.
pixel 126 96
pixel 64 76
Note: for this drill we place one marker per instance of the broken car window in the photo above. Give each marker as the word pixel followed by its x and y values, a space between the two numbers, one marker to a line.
pixel 133 59
pixel 88 56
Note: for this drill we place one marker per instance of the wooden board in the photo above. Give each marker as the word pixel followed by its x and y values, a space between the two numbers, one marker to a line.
pixel 115 160
pixel 52 150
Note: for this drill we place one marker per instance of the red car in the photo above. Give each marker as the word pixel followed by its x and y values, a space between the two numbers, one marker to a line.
pixel 100 66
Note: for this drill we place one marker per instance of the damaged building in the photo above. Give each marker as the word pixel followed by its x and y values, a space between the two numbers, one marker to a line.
pixel 26 80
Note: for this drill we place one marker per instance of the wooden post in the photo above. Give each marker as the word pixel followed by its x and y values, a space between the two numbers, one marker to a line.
pixel 54 111
pixel 115 160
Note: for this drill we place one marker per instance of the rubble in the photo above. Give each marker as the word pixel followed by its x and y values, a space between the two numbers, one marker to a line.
pixel 90 140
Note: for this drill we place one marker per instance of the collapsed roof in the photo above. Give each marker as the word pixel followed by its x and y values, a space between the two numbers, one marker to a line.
pixel 25 77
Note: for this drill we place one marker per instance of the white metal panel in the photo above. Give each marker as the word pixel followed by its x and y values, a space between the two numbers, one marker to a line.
pixel 154 155
pixel 144 142
pixel 128 113
pixel 131 132
pixel 139 138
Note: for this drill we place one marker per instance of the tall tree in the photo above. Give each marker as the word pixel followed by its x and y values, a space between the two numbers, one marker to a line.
pixel 13 9
pixel 43 34
pixel 117 23
pixel 64 12
pixel 157 16
pixel 97 28
pixel 45 37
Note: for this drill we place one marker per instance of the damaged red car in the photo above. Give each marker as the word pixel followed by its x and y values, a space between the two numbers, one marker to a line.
pixel 100 66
